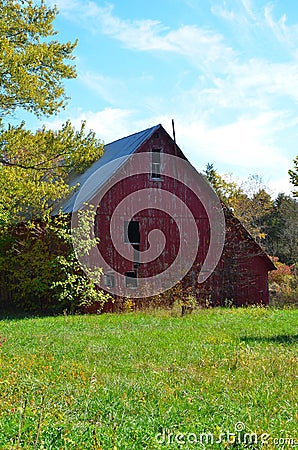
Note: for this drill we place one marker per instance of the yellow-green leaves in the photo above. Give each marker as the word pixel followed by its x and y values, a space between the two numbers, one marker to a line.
pixel 34 168
pixel 32 65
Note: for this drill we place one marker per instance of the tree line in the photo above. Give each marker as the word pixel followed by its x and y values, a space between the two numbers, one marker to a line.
pixel 272 222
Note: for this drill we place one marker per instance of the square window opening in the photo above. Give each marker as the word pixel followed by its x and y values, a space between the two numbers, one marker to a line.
pixel 131 279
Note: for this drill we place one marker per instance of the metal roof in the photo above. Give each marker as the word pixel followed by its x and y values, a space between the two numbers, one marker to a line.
pixel 122 148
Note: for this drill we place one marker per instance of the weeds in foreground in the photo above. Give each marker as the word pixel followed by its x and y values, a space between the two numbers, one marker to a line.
pixel 129 381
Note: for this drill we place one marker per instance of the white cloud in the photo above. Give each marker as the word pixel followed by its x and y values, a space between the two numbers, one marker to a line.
pixel 108 88
pixel 205 49
pixel 243 143
pixel 285 34
pixel 109 124
pixel 235 107
pixel 247 5
pixel 280 184
pixel 242 147
pixel 259 78
pixel 223 12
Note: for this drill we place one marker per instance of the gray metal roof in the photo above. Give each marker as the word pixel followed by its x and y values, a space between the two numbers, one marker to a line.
pixel 117 152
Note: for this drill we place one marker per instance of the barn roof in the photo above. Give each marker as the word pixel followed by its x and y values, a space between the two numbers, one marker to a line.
pixel 109 163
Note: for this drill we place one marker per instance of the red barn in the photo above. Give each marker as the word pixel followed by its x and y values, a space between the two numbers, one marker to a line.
pixel 156 215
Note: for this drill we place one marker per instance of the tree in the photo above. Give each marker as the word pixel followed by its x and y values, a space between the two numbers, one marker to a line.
pixel 37 262
pixel 253 211
pixel 249 202
pixel 282 237
pixel 294 175
pixel 41 269
pixel 34 166
pixel 228 191
pixel 32 67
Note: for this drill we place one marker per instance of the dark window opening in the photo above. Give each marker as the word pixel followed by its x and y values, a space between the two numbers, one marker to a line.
pixel 132 232
pixel 131 279
pixel 155 163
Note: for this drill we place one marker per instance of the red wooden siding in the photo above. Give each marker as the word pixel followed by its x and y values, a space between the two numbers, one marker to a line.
pixel 242 272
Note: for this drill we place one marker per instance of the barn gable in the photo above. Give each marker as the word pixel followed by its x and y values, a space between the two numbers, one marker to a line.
pixel 242 272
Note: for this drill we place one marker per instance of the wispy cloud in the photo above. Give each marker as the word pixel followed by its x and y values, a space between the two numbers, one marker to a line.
pixel 109 124
pixel 243 143
pixel 205 49
pixel 285 34
pixel 240 96
pixel 223 12
pixel 108 88
pixel 248 7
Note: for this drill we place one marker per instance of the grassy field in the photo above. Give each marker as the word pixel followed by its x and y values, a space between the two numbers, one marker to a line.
pixel 150 381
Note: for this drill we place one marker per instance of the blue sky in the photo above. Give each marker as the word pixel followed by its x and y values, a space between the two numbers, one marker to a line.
pixel 226 71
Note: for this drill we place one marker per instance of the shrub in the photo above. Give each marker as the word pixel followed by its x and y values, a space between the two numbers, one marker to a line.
pixel 41 269
pixel 283 283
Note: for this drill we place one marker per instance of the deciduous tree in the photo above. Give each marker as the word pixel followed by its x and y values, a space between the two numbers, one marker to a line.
pixel 294 176
pixel 282 236
pixel 37 262
pixel 34 166
pixel 33 65
pixel 249 201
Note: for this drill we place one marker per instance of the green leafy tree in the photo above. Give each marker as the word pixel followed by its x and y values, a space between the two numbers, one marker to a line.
pixel 33 65
pixel 41 268
pixel 35 168
pixel 227 190
pixel 37 262
pixel 249 201
pixel 294 176
pixel 282 237
pixel 253 211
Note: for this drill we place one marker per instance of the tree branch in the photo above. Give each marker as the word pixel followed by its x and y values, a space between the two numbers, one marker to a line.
pixel 4 162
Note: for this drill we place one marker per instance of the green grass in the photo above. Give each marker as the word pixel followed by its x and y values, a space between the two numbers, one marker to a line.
pixel 115 381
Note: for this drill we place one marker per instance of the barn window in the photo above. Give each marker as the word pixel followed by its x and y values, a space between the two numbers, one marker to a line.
pixel 132 232
pixel 155 163
pixel 131 279
pixel 109 279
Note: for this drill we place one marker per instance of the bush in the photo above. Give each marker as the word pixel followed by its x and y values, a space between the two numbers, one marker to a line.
pixel 41 271
pixel 283 284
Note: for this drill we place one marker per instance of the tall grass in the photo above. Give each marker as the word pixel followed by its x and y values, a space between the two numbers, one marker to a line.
pixel 128 381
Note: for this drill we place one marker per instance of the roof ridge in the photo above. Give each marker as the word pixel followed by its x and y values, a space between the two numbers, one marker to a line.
pixel 133 134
